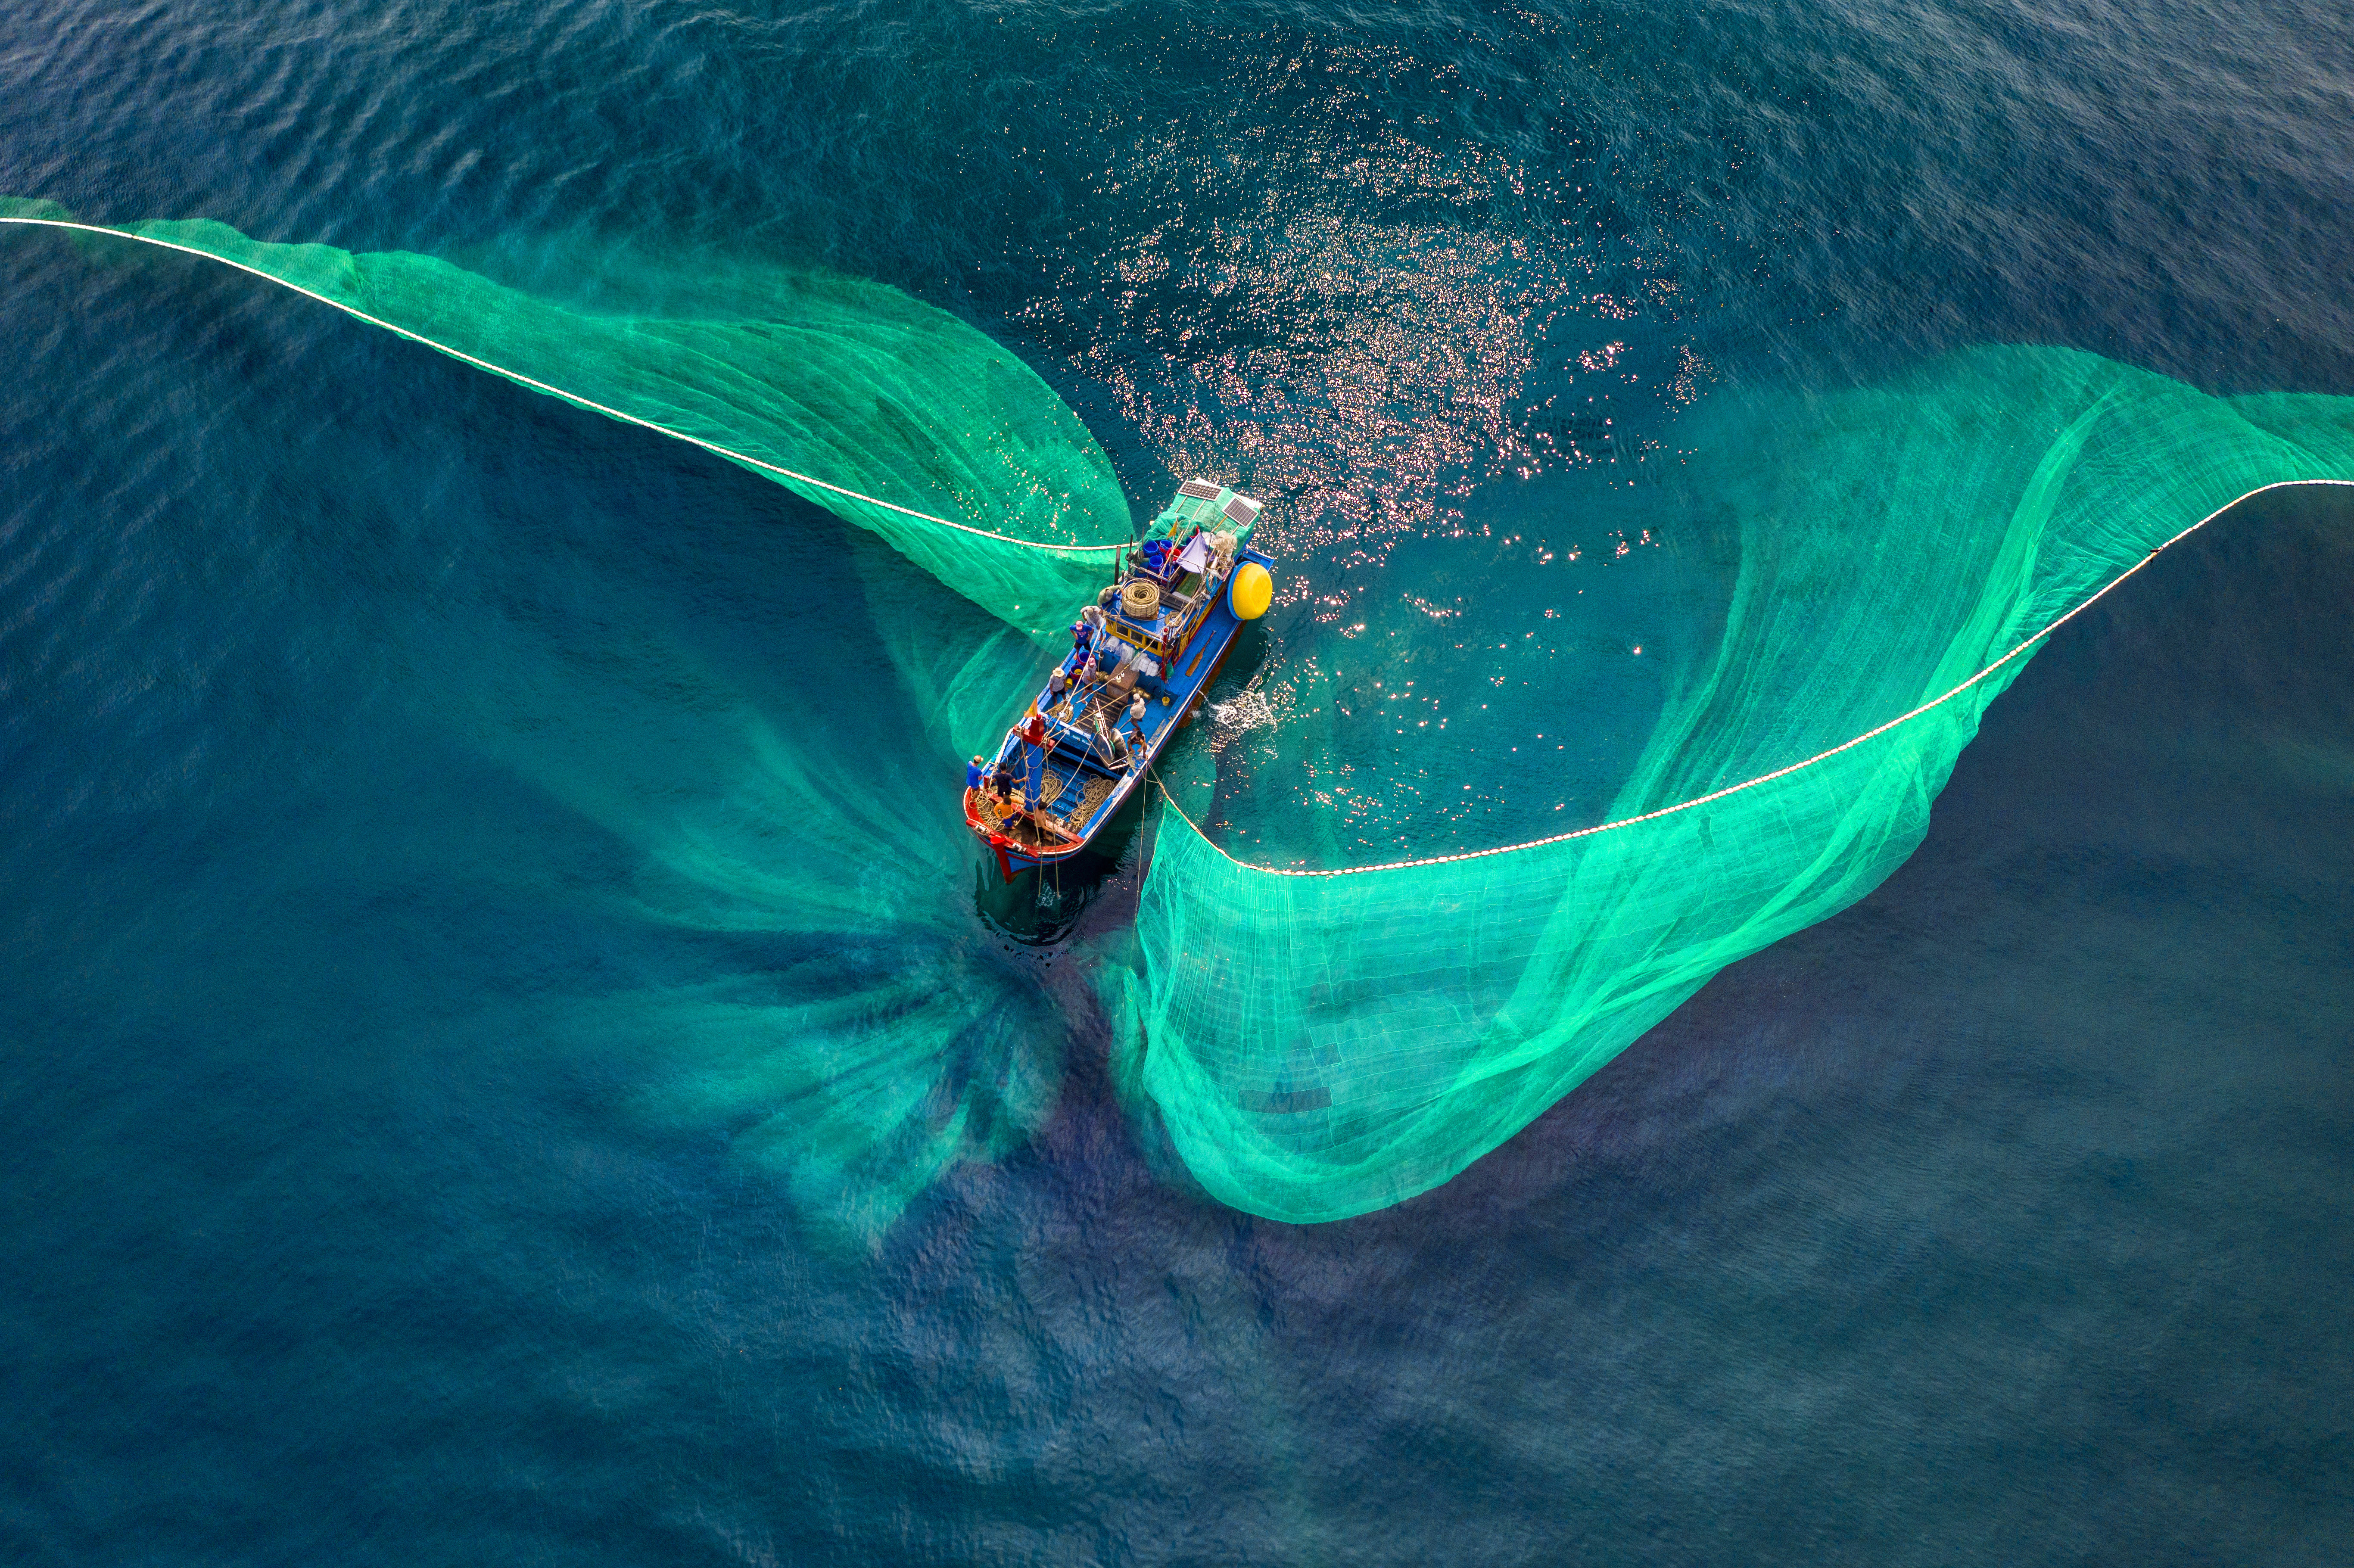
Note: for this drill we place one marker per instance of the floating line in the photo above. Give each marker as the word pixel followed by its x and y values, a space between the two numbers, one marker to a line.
pixel 1937 702
pixel 572 398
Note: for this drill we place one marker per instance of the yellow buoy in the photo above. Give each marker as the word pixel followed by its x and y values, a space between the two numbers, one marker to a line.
pixel 1251 592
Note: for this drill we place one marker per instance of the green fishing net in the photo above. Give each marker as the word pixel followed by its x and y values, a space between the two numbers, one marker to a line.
pixel 883 410
pixel 1321 1046
pixel 1318 1040
pixel 880 1045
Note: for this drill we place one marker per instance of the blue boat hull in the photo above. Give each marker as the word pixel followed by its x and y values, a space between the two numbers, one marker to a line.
pixel 1174 696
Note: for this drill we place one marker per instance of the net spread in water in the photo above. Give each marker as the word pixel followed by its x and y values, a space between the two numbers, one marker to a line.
pixel 1319 1045
pixel 889 1038
pixel 888 412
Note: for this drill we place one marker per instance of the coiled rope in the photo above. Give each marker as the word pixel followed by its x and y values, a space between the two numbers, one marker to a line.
pixel 1170 796
pixel 572 398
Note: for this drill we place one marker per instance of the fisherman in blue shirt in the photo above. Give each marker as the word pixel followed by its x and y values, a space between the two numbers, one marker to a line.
pixel 974 772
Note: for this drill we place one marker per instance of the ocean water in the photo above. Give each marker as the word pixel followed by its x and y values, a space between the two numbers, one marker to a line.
pixel 403 940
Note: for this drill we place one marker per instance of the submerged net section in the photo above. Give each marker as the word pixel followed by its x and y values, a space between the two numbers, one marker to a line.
pixel 882 1036
pixel 1318 1045
pixel 883 410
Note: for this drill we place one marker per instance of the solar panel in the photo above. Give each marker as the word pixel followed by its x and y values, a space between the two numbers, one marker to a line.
pixel 1242 509
pixel 1199 489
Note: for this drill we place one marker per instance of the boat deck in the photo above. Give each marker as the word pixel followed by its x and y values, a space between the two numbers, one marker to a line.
pixel 1072 798
pixel 1170 655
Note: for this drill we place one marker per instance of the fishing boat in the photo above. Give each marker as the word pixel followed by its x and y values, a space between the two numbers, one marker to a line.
pixel 1143 656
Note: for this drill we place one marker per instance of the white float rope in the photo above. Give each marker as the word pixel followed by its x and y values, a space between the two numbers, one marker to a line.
pixel 573 398
pixel 1716 795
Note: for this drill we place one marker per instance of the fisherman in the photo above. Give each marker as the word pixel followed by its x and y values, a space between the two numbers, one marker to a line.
pixel 975 771
pixel 1034 737
pixel 1058 687
pixel 1136 721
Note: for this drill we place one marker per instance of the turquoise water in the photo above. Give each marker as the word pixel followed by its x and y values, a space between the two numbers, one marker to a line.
pixel 417 1149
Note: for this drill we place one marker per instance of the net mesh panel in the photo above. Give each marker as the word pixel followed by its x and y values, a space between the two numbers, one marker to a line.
pixel 848 382
pixel 1319 1046
pixel 881 1045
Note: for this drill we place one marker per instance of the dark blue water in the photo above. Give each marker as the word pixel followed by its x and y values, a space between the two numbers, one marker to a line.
pixel 390 1091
